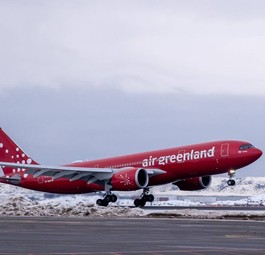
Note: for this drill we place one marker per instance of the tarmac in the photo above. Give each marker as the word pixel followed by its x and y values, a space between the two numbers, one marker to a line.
pixel 208 208
pixel 128 236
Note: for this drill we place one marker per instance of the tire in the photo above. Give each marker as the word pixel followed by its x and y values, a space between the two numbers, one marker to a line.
pixel 99 202
pixel 108 198
pixel 113 198
pixel 105 203
pixel 102 202
pixel 137 202
pixel 231 182
pixel 145 198
pixel 142 203
pixel 151 198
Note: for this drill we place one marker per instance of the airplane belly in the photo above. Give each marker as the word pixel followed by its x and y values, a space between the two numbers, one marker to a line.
pixel 60 186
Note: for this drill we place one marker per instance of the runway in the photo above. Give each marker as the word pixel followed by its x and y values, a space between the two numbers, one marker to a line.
pixel 128 236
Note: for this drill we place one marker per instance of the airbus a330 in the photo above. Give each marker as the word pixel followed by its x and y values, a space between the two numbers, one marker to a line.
pixel 188 167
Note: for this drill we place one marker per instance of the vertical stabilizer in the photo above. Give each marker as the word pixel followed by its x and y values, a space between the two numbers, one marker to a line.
pixel 11 152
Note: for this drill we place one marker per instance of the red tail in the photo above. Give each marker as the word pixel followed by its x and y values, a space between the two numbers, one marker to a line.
pixel 11 152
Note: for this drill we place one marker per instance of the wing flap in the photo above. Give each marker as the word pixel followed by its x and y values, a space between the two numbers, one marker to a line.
pixel 63 174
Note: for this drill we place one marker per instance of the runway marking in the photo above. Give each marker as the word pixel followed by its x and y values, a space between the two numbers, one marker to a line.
pixel 245 236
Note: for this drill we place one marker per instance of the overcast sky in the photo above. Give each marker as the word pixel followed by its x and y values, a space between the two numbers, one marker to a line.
pixel 92 79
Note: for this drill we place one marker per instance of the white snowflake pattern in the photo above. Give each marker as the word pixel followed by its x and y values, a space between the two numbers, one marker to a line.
pixel 125 179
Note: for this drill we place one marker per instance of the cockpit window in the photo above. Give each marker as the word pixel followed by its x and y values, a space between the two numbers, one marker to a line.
pixel 246 146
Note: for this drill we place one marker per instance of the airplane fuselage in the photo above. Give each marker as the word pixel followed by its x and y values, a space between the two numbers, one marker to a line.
pixel 177 163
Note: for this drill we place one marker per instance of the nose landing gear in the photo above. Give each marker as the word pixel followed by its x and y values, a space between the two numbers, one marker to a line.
pixel 231 174
pixel 145 197
pixel 231 182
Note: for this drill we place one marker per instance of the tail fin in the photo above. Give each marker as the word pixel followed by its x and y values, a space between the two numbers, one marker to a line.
pixel 11 152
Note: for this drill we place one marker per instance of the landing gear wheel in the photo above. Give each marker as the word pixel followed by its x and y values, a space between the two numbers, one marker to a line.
pixel 108 198
pixel 231 174
pixel 137 202
pixel 145 197
pixel 113 198
pixel 142 203
pixel 151 198
pixel 102 202
pixel 99 202
pixel 148 198
pixel 231 182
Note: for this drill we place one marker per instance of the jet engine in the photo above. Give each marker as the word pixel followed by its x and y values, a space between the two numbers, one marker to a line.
pixel 130 179
pixel 196 183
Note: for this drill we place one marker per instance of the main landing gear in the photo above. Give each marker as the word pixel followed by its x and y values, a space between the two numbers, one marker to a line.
pixel 231 174
pixel 109 197
pixel 145 197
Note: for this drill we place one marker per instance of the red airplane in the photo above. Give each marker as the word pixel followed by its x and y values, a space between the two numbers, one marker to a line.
pixel 188 167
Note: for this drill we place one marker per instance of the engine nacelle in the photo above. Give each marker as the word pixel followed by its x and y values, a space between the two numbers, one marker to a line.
pixel 196 183
pixel 130 179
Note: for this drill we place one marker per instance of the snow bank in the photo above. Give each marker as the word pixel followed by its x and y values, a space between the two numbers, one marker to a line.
pixel 19 201
pixel 26 207
pixel 248 186
pixel 74 207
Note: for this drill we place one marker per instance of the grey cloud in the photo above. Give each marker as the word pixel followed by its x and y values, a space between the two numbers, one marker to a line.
pixel 67 125
pixel 135 46
pixel 92 79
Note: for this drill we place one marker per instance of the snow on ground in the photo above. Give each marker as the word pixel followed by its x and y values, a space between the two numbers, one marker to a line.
pixel 23 206
pixel 248 186
pixel 19 201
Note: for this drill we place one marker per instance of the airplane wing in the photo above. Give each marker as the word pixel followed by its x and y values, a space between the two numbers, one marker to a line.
pixel 56 172
pixel 89 174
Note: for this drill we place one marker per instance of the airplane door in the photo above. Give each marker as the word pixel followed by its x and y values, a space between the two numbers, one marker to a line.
pixel 225 150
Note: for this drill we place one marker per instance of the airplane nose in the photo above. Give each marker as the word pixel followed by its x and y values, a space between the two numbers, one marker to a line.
pixel 258 153
pixel 253 155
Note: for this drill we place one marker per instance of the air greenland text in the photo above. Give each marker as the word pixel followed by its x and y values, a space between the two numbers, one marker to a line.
pixel 179 158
